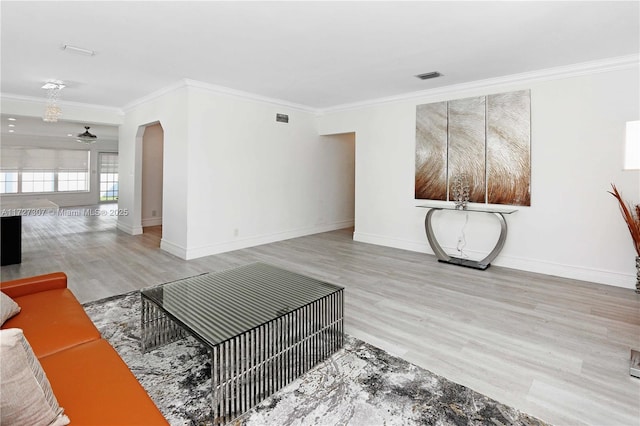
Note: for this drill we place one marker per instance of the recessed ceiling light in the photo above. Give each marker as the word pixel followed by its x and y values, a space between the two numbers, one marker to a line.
pixel 69 134
pixel 12 125
pixel 11 119
pixel 11 131
pixel 78 50
pixel 428 75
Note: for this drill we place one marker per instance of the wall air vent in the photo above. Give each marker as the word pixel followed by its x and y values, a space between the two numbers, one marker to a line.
pixel 282 118
pixel 428 75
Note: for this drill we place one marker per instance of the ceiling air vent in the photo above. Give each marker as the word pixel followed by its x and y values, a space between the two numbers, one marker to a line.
pixel 428 75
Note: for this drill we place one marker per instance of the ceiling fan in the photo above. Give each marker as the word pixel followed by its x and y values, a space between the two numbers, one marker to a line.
pixel 86 137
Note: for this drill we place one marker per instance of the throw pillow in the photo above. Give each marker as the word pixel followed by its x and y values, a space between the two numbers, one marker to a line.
pixel 27 397
pixel 8 308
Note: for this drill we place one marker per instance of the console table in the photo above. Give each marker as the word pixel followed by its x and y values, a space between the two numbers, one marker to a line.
pixel 442 256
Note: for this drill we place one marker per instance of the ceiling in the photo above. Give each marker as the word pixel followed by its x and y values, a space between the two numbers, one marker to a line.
pixel 316 54
pixel 34 126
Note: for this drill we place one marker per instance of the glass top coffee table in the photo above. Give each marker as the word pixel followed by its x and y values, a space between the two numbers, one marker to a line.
pixel 264 326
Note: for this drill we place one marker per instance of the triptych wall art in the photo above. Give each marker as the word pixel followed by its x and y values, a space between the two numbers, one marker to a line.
pixel 483 141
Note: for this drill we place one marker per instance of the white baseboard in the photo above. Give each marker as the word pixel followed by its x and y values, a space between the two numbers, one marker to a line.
pixel 152 221
pixel 392 242
pixel 129 229
pixel 581 273
pixel 173 249
pixel 240 243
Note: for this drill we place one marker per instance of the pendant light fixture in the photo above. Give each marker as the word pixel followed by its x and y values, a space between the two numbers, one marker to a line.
pixel 52 111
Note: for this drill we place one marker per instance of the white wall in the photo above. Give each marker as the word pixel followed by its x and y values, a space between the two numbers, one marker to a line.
pixel 152 141
pixel 573 227
pixel 170 110
pixel 233 176
pixel 253 180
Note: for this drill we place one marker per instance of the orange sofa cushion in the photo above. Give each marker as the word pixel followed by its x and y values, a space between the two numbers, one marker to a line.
pixel 94 386
pixel 52 321
pixel 29 285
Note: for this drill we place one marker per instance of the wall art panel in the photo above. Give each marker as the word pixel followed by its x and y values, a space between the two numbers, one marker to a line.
pixel 431 151
pixel 485 139
pixel 508 148
pixel 466 129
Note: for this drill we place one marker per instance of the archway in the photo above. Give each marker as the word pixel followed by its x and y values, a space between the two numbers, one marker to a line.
pixel 152 155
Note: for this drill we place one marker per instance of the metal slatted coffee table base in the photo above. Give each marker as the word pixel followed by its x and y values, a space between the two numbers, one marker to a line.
pixel 157 328
pixel 251 366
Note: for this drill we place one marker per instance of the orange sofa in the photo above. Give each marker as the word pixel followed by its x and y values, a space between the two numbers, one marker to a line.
pixel 89 379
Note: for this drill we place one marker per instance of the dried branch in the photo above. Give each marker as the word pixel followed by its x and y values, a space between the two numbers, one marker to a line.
pixel 631 215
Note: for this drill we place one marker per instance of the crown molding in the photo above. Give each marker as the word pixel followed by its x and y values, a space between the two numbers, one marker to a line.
pixel 219 90
pixel 43 101
pixel 36 139
pixel 556 73
pixel 574 70
pixel 154 95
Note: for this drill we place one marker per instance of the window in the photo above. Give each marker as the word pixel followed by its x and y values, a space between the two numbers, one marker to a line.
pixel 8 182
pixel 73 181
pixel 38 170
pixel 108 176
pixel 41 181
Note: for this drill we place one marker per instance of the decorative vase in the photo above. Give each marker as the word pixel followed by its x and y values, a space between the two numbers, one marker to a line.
pixel 638 274
pixel 460 191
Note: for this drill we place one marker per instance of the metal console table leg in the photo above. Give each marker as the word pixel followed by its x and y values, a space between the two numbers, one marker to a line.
pixel 634 365
pixel 442 256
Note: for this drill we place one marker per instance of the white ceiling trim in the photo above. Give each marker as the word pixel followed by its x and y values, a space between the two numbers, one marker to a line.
pixel 154 95
pixel 575 70
pixel 35 140
pixel 42 102
pixel 220 90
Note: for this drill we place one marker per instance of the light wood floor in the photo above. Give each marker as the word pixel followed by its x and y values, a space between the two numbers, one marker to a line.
pixel 555 348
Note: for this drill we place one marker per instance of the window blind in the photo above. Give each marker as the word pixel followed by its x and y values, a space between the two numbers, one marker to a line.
pixel 108 163
pixel 19 158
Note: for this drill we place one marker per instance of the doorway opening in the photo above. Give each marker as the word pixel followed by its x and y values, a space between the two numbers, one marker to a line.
pixel 152 182
pixel 343 175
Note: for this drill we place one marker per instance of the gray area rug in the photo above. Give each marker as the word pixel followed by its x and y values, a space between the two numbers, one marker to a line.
pixel 359 385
